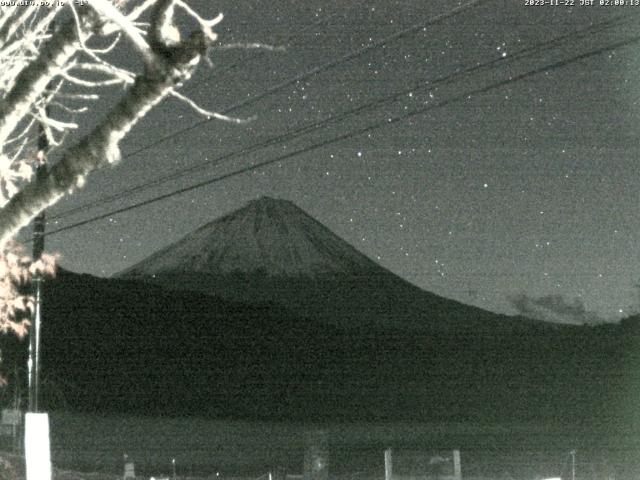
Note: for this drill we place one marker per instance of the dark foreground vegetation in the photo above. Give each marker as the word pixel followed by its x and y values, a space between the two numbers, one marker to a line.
pixel 130 347
pixel 156 371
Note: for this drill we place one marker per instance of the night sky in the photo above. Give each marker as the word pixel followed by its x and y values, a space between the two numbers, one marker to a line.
pixel 523 196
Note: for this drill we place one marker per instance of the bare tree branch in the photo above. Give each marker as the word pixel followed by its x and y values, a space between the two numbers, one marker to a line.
pixel 49 77
pixel 33 80
pixel 171 65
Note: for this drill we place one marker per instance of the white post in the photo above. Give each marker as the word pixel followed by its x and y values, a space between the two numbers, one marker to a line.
pixel 457 467
pixel 37 450
pixel 129 468
pixel 573 464
pixel 388 464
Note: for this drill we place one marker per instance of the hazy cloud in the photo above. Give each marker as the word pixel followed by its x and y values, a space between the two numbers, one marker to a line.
pixel 554 308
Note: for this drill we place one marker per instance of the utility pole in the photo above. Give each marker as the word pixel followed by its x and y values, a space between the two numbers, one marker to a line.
pixel 37 441
pixel 37 281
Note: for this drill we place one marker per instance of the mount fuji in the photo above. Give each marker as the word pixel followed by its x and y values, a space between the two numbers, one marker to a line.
pixel 268 236
pixel 271 251
pixel 265 313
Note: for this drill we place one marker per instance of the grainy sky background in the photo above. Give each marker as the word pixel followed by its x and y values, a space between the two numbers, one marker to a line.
pixel 522 197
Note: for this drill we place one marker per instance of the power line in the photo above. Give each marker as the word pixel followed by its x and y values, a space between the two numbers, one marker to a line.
pixel 294 133
pixel 319 69
pixel 354 133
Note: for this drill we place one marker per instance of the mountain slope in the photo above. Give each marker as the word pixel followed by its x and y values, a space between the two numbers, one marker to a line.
pixel 134 347
pixel 270 236
pixel 272 251
pixel 267 314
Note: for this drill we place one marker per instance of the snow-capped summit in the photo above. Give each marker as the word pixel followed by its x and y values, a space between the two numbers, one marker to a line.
pixel 269 236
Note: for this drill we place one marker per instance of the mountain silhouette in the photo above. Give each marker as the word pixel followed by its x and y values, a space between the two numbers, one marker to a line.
pixel 271 251
pixel 266 314
pixel 269 236
pixel 126 346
